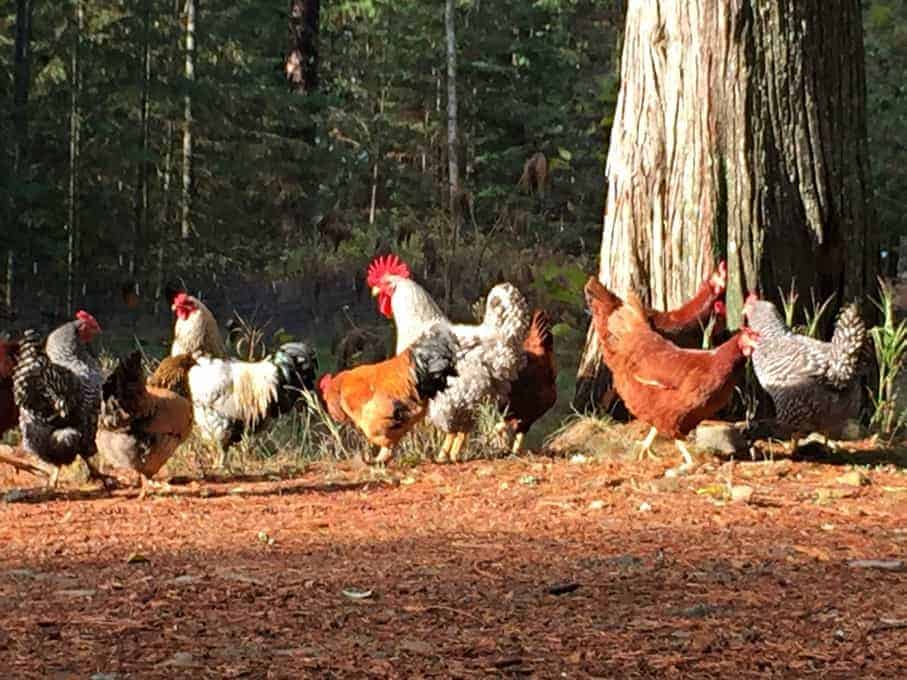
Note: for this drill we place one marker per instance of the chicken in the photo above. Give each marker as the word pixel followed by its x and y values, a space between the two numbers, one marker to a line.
pixel 814 385
pixel 230 396
pixel 141 424
pixel 684 325
pixel 9 412
pixel 385 400
pixel 670 388
pixel 490 356
pixel 534 392
pixel 195 330
pixel 58 389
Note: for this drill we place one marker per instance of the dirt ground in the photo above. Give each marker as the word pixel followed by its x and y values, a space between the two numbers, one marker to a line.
pixel 535 567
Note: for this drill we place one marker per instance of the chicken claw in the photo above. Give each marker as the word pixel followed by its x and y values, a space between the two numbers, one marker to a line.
pixel 685 452
pixel 645 446
pixel 517 443
pixel 384 455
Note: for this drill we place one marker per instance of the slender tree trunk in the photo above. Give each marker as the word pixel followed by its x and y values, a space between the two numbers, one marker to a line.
pixel 21 169
pixel 142 188
pixel 301 62
pixel 75 126
pixel 740 132
pixel 453 156
pixel 186 203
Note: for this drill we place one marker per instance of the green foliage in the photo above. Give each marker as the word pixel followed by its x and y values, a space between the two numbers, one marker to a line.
pixel 890 343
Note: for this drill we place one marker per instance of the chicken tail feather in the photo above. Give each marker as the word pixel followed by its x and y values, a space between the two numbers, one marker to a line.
pixel 848 345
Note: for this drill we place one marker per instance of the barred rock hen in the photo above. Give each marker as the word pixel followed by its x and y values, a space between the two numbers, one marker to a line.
pixel 814 385
pixel 671 388
pixel 491 353
pixel 142 424
pixel 58 389
pixel 386 399
pixel 534 392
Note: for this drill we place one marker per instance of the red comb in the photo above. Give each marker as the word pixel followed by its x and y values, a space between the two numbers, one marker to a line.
pixel 180 299
pixel 87 318
pixel 382 266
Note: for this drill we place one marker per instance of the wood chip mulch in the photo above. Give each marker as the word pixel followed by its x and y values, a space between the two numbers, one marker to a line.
pixel 533 567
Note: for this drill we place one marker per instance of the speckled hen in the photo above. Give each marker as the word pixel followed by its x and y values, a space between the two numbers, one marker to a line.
pixel 814 385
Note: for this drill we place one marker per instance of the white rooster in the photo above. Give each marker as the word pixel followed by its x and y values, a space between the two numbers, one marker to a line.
pixel 491 353
pixel 230 396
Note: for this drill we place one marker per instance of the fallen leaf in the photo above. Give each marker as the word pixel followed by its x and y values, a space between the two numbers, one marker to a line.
pixel 354 594
pixel 562 588
pixel 136 558
pixel 853 478
pixel 741 493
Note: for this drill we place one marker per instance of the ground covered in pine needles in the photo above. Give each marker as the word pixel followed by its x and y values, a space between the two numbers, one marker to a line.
pixel 538 566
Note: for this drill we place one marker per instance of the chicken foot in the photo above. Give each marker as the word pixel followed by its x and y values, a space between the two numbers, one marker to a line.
pixel 95 473
pixel 450 449
pixel 445 448
pixel 384 455
pixel 684 451
pixel 645 446
pixel 457 445
pixel 517 443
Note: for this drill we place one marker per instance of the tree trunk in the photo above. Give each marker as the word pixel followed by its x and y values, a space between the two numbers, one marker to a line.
pixel 186 220
pixel 75 127
pixel 21 169
pixel 141 189
pixel 453 156
pixel 740 132
pixel 301 63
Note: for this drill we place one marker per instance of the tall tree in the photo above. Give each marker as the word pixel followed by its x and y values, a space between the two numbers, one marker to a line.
pixel 740 132
pixel 453 156
pixel 186 205
pixel 75 127
pixel 301 62
pixel 21 87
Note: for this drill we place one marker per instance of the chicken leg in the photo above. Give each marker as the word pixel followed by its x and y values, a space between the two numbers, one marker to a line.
pixel 459 440
pixel 684 451
pixel 517 443
pixel 445 448
pixel 645 446
pixel 94 472
pixel 384 455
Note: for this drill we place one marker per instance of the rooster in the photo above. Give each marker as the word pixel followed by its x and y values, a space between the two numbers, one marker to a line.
pixel 9 412
pixel 385 400
pixel 814 385
pixel 534 392
pixel 195 329
pixel 141 424
pixel 490 355
pixel 58 389
pixel 683 325
pixel 230 396
pixel 670 388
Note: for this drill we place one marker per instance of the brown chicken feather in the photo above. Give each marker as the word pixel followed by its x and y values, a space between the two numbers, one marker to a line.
pixel 534 392
pixel 671 388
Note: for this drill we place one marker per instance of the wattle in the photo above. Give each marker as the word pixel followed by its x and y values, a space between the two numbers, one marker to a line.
pixel 384 305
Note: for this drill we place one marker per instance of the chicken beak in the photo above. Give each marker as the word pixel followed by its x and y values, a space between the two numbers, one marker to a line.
pixel 376 291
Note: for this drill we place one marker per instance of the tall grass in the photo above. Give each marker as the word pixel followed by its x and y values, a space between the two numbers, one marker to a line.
pixel 890 343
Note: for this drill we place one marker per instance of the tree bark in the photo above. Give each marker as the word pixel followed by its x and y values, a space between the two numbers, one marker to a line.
pixel 186 219
pixel 75 127
pixel 141 189
pixel 453 156
pixel 21 169
pixel 740 132
pixel 301 62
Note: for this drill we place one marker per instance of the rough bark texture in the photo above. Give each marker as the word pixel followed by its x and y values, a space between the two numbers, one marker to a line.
pixel 186 209
pixel 301 64
pixel 740 132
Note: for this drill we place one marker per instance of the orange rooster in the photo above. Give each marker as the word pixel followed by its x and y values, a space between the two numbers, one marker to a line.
pixel 670 388
pixel 534 392
pixel 683 325
pixel 141 425
pixel 387 399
